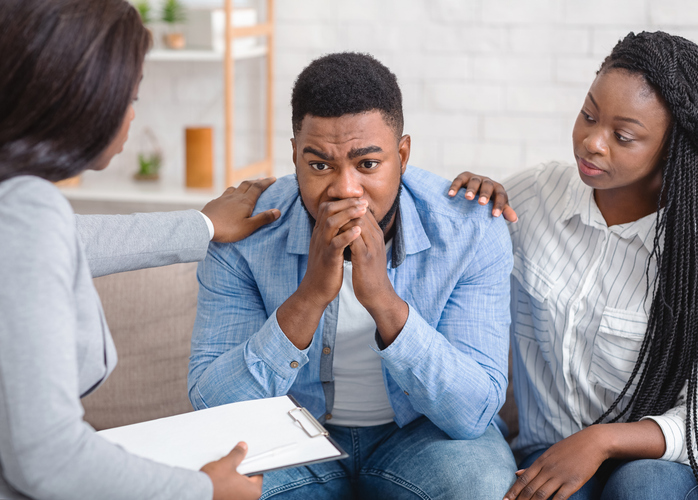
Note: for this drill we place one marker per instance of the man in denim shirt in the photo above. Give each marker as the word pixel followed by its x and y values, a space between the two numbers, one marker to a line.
pixel 378 302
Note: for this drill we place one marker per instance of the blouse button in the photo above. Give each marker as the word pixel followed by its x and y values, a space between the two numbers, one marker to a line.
pixel 294 364
pixel 326 350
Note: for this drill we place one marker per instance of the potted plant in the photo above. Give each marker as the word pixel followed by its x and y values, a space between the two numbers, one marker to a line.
pixel 174 15
pixel 149 157
pixel 145 11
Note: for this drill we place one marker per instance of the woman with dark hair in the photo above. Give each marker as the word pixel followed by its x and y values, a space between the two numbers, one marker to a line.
pixel 605 287
pixel 69 72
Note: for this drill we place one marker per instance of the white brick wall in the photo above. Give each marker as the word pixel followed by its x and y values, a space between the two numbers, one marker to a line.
pixel 488 85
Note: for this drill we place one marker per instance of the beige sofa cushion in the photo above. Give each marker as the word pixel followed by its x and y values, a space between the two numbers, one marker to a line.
pixel 151 315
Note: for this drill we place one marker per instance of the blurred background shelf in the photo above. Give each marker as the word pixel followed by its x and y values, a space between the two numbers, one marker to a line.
pixel 205 55
pixel 128 196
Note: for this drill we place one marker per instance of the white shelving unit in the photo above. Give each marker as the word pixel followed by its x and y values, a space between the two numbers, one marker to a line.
pixel 130 192
pixel 204 55
pixel 138 192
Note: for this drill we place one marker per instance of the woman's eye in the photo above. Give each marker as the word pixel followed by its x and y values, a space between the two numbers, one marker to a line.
pixel 369 164
pixel 587 116
pixel 319 166
pixel 622 138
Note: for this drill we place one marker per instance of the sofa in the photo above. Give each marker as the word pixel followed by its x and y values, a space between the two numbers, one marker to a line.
pixel 151 314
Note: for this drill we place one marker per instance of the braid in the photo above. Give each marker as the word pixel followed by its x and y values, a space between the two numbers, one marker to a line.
pixel 668 357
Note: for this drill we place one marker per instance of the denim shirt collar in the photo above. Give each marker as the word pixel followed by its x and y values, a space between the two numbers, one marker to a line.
pixel 410 237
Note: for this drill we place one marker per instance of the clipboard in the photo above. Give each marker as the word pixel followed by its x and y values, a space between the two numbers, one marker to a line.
pixel 278 431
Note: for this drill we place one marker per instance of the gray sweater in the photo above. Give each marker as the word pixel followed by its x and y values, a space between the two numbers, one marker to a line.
pixel 55 346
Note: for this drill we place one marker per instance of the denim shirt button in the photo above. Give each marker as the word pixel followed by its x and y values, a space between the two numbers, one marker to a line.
pixel 328 416
pixel 326 350
pixel 294 364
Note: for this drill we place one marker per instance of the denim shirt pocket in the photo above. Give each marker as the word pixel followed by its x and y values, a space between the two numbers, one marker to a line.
pixel 616 348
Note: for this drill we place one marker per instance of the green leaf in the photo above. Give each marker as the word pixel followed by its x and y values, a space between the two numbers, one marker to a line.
pixel 173 12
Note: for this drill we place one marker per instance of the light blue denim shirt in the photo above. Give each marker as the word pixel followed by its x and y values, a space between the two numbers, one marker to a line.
pixel 450 261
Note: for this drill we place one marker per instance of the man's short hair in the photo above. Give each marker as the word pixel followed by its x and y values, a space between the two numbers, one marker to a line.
pixel 346 83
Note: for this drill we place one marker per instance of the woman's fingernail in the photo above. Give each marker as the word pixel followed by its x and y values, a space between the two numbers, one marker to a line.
pixel 483 199
pixel 451 192
pixel 497 212
pixel 470 195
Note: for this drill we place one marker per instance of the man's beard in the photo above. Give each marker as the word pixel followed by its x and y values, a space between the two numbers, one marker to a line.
pixel 383 223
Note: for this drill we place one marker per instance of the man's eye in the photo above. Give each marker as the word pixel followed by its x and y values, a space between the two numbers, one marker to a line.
pixel 319 166
pixel 369 164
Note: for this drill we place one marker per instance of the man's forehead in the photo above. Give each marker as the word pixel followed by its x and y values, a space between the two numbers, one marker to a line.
pixel 345 128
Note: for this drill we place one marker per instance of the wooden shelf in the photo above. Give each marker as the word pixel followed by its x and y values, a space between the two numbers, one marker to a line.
pixel 244 52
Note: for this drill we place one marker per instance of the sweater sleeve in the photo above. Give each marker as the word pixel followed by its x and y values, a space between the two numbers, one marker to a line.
pixel 118 243
pixel 47 451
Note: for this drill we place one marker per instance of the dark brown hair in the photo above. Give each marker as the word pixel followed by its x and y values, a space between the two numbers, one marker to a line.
pixel 68 72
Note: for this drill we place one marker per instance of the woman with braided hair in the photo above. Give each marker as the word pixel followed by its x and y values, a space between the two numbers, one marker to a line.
pixel 605 287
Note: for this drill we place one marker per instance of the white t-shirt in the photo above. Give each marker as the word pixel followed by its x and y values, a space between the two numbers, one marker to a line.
pixel 360 397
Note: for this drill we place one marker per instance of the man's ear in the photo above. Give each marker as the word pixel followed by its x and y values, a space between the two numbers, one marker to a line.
pixel 404 147
pixel 293 145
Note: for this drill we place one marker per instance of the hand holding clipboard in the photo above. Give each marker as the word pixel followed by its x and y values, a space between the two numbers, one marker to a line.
pixel 278 432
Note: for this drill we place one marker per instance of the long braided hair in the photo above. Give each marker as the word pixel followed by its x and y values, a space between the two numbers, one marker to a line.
pixel 669 351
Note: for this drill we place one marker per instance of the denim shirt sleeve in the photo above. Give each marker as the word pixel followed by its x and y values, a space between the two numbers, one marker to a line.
pixel 456 373
pixel 238 351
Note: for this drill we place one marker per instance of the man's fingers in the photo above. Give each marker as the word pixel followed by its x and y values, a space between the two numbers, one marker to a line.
pixel 236 455
pixel 358 246
pixel 459 182
pixel 329 208
pixel 336 222
pixel 342 240
pixel 264 218
pixel 373 222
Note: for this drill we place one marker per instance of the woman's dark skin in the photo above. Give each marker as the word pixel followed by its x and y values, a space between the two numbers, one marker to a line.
pixel 619 139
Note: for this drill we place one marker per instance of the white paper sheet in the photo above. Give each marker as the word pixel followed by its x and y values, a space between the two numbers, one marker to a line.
pixel 193 439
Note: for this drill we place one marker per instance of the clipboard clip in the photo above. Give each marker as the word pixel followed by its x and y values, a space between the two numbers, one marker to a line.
pixel 317 428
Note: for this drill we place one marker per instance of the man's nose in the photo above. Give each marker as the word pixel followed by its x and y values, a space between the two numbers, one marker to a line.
pixel 346 184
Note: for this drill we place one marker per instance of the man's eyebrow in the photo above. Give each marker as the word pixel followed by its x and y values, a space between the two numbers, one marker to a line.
pixel 317 153
pixel 357 152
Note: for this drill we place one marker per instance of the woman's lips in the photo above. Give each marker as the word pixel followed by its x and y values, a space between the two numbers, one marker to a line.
pixel 588 168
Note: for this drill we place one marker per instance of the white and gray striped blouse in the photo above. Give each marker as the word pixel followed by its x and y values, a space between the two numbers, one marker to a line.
pixel 579 309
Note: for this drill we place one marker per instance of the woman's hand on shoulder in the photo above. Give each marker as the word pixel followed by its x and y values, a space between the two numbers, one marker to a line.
pixel 227 483
pixel 563 469
pixel 486 188
pixel 231 212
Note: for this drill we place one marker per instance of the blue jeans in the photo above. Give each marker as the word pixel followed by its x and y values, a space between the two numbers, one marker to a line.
pixel 418 461
pixel 635 479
